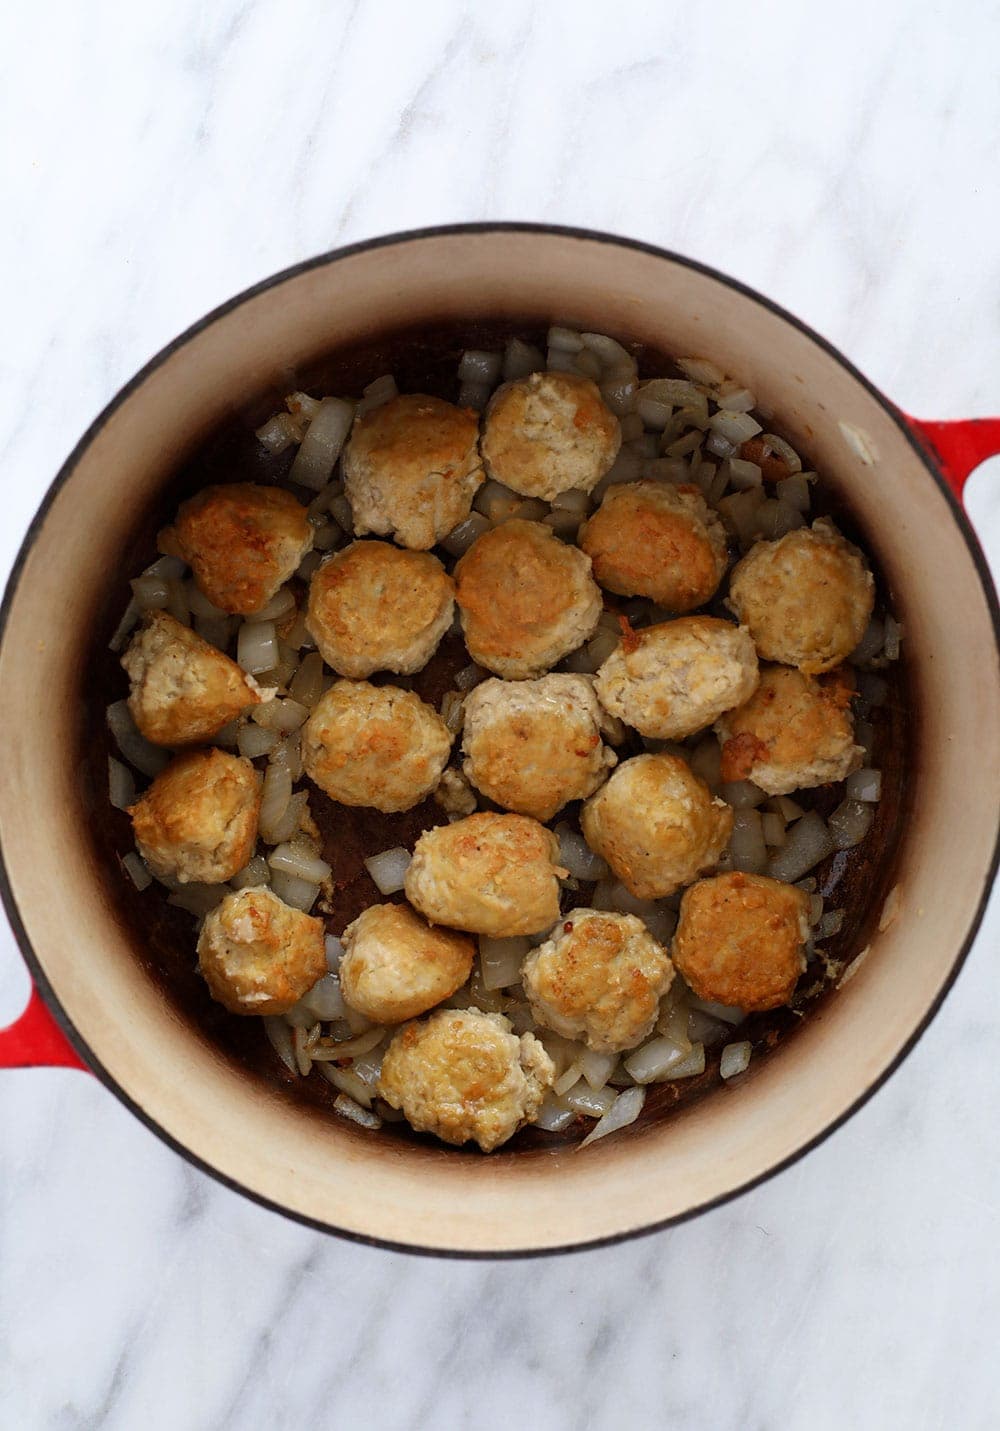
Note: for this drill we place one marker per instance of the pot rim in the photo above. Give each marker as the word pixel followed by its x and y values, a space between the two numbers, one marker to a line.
pixel 66 471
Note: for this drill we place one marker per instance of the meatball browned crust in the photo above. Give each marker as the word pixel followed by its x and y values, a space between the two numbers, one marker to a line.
pixel 549 433
pixel 259 956
pixel 395 966
pixel 198 819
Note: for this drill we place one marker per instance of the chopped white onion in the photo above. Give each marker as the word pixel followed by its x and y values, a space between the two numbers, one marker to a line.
pixel 501 960
pixel 496 502
pixel 742 794
pixel 346 1106
pixel 893 637
pixel 520 359
pixel 151 592
pixel 784 451
pixel 726 1013
pixel 735 427
pixel 121 784
pixel 282 716
pixel 252 875
pixel 619 394
pixel 597 1068
pixel 460 538
pixel 475 366
pixel 734 398
pixel 702 1028
pixel 300 861
pixel 794 491
pixel 347 1081
pixel 746 844
pixel 552 1117
pixel 198 899
pixel 388 869
pixel 865 785
pixel 654 414
pixel 334 953
pixel 735 1059
pixel 281 603
pixel 257 647
pixel 254 740
pixel 309 681
pixel 616 359
pixel 809 841
pixel 278 433
pixel 830 924
pixel 701 370
pixel 474 395
pixel 576 856
pixel 623 1111
pixel 280 1038
pixel 324 1000
pixel 592 1102
pixel 147 758
pixel 774 518
pixel 470 676
pixel 654 1059
pixel 322 444
pixel 277 795
pixel 124 628
pixel 377 394
pixel 565 339
pixel 298 893
pixel 850 823
pixel 689 1067
pixel 773 827
pixel 137 871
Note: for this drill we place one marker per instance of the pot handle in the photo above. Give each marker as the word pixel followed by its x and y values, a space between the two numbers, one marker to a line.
pixel 958 447
pixel 35 1040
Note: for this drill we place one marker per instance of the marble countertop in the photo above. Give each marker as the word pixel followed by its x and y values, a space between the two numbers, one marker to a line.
pixel 159 158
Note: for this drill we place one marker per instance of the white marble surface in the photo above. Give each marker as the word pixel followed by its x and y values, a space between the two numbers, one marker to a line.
pixel 159 157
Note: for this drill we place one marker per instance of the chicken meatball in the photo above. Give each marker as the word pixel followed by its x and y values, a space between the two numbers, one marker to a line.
pixel 526 599
pixel 657 825
pixel 411 469
pixel 183 690
pixel 259 956
pixel 396 967
pixel 198 819
pixel 671 680
pixel 806 598
pixel 464 1076
pixel 657 540
pixel 600 977
pixel 793 733
pixel 489 873
pixel 373 607
pixel 740 940
pixel 374 745
pixel 242 542
pixel 532 746
pixel 549 433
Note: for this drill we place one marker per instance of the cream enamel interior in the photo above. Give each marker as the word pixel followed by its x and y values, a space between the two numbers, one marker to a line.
pixel 430 1197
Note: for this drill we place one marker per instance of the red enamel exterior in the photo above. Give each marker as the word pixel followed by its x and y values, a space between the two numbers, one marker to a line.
pixel 35 1040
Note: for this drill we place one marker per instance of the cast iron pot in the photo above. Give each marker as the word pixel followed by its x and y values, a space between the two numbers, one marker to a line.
pixel 101 1001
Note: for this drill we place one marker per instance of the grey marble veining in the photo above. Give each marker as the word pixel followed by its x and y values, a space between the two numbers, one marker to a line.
pixel 157 158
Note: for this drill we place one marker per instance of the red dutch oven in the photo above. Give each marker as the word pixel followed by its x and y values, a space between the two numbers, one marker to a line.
pixel 98 1003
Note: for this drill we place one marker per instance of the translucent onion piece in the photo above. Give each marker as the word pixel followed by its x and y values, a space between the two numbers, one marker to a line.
pixel 576 856
pixel 470 676
pixel 794 491
pixel 345 1105
pixel 735 427
pixel 747 845
pixel 474 395
pixel 743 475
pixel 552 1117
pixel 496 502
pixel 348 1082
pixel 253 741
pixel 591 1102
pixel 334 953
pixel 701 370
pixel 298 893
pixel 809 841
pixel 283 716
pixel 654 1059
pixel 137 871
pixel 252 875
pixel 121 784
pixel 289 823
pixel 726 1013
pixel 520 359
pixel 774 518
pixel 147 758
pixel 276 798
pixel 280 1038
pixel 460 538
pixel 300 861
pixel 388 869
pixel 501 960
pixel 784 450
pixel 733 398
pixel 151 592
pixel 865 785
pixel 278 433
pixel 830 924
pixel 893 637
pixel 689 1067
pixel 735 1059
pixel 125 626
pixel 257 646
pixel 742 794
pixel 480 367
pixel 322 444
pixel 281 603
pixel 623 1111
pixel 850 823
pixel 198 899
pixel 773 827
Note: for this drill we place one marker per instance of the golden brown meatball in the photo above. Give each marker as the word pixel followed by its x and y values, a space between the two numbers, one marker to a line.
pixel 806 598
pixel 656 824
pixel 549 433
pixel 463 1075
pixel 489 874
pixel 532 746
pixel 740 940
pixel 671 680
pixel 526 599
pixel 242 542
pixel 411 469
pixel 257 955
pixel 198 819
pixel 793 733
pixel 395 966
pixel 657 540
pixel 373 607
pixel 183 691
pixel 374 745
pixel 600 977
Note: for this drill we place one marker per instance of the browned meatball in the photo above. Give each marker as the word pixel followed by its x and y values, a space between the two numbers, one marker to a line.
pixel 198 819
pixel 740 940
pixel 549 433
pixel 259 956
pixel 396 967
pixel 242 543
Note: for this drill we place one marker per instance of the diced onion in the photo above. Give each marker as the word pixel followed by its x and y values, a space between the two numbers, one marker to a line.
pixel 298 893
pixel 121 784
pixel 701 370
pixel 689 1067
pixel 649 1063
pixel 773 827
pixel 830 924
pixel 283 716
pixel 809 841
pixel 735 1059
pixel 865 785
pixel 388 869
pixel 198 899
pixel 277 794
pixel 289 823
pixel 850 823
pixel 703 1029
pixel 147 758
pixel 280 1038
pixel 746 844
pixel 893 636
pixel 619 394
pixel 474 395
pixel 377 394
pixel 253 874
pixel 254 740
pixel 309 681
pixel 613 356
pixel 742 794
pixel 597 1068
pixel 125 625
pixel 321 446
pixel 783 450
pixel 345 1105
pixel 743 475
pixel 736 427
pixel 496 502
pixel 257 646
pixel 552 1117
pixel 479 367
pixel 566 339
pixel 654 414
pixel 151 592
pixel 623 1111
pixel 726 1013
pixel 278 433
pixel 501 960
pixel 566 525
pixel 299 861
pixel 137 871
pixel 774 518
pixel 281 603
pixel 334 953
pixel 347 1081
pixel 324 1000
pixel 520 359
pixel 576 856
pixel 460 538
pixel 470 676
pixel 794 491
pixel 735 399
pixel 592 1102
